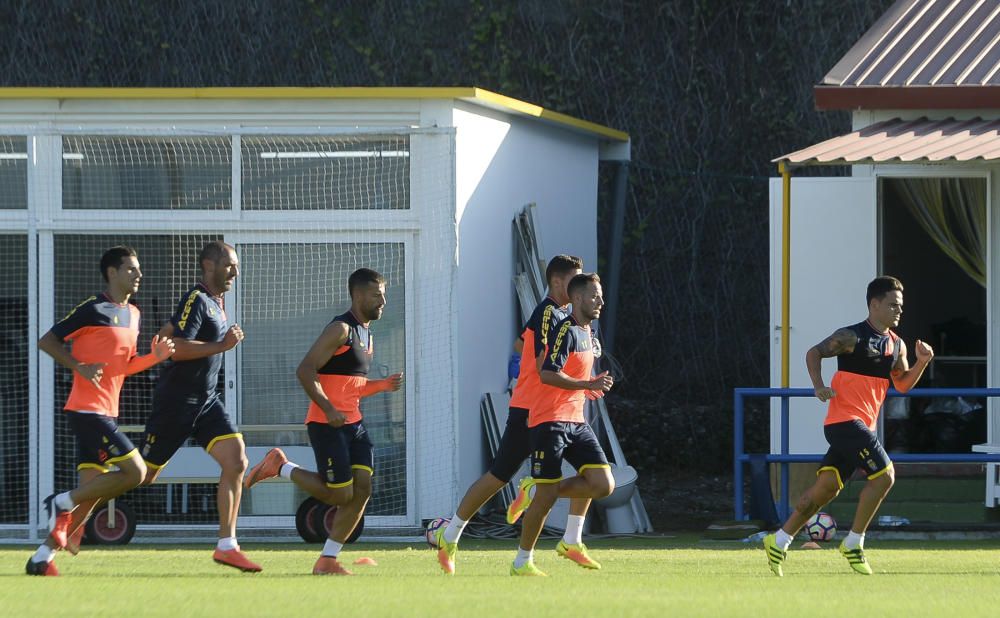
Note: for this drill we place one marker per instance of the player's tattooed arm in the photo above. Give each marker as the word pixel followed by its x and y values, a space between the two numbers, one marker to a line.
pixel 842 341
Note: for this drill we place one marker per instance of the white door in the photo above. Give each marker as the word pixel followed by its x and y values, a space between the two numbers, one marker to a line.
pixel 834 226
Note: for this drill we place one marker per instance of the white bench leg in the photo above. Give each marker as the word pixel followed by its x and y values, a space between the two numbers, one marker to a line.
pixel 992 484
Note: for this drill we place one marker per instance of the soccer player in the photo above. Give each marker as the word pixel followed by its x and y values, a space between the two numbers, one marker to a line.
pixel 334 373
pixel 869 355
pixel 556 426
pixel 514 445
pixel 186 402
pixel 103 331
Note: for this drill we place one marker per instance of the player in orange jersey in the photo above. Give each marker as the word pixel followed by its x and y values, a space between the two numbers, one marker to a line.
pixel 334 373
pixel 557 427
pixel 103 331
pixel 869 356
pixel 514 445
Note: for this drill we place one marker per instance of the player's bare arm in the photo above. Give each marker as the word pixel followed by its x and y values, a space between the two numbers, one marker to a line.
pixel 905 377
pixel 332 337
pixel 54 347
pixel 602 382
pixel 842 341
pixel 189 349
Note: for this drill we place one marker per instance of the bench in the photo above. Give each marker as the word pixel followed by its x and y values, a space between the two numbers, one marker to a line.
pixel 992 473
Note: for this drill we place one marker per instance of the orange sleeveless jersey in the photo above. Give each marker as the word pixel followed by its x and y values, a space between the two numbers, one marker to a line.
pixel 345 375
pixel 862 377
pixel 572 353
pixel 536 342
pixel 101 331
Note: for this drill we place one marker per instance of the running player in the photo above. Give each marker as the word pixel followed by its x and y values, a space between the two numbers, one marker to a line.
pixel 557 427
pixel 869 355
pixel 514 445
pixel 186 401
pixel 334 373
pixel 103 331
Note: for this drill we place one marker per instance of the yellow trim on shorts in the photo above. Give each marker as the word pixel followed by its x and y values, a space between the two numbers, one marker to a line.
pixel 339 485
pixel 880 472
pixel 547 481
pixel 154 466
pixel 593 467
pixel 93 466
pixel 127 455
pixel 360 467
pixel 208 449
pixel 840 483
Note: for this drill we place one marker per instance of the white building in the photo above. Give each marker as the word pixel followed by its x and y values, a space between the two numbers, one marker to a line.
pixel 309 184
pixel 921 203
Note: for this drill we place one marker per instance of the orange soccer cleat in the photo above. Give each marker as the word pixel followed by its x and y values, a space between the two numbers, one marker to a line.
pixel 236 559
pixel 328 565
pixel 268 468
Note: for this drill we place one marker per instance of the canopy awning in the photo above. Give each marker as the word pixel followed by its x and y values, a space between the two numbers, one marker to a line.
pixel 906 141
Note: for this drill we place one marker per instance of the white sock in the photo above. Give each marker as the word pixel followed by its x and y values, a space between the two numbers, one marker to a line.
pixel 455 528
pixel 574 529
pixel 782 538
pixel 64 501
pixel 286 470
pixel 854 540
pixel 524 556
pixel 43 554
pixel 226 543
pixel 332 548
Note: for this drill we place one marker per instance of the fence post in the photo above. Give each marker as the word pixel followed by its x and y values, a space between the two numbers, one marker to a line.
pixel 738 453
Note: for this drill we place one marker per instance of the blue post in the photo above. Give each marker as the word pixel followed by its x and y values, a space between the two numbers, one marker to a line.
pixel 783 511
pixel 738 453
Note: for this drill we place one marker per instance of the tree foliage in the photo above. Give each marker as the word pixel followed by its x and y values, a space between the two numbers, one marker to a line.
pixel 709 90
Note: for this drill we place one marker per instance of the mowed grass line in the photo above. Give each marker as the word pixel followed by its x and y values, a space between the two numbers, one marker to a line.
pixel 641 577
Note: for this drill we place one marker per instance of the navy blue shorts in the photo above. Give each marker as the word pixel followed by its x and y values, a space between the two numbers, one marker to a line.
pixel 99 442
pixel 853 446
pixel 553 442
pixel 341 450
pixel 515 446
pixel 175 419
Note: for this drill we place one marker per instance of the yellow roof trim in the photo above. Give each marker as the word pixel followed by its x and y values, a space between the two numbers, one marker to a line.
pixel 471 94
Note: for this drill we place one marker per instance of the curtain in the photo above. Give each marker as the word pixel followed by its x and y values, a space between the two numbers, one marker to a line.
pixel 953 213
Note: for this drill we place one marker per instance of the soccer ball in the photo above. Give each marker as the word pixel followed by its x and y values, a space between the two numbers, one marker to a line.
pixel 430 533
pixel 821 527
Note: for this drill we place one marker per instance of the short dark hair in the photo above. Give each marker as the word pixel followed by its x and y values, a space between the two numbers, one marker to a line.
pixel 363 276
pixel 213 251
pixel 579 282
pixel 113 257
pixel 880 286
pixel 562 264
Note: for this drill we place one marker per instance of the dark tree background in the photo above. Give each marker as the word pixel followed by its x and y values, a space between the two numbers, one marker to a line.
pixel 709 90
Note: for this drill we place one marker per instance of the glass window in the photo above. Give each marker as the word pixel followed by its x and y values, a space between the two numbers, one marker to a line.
pixel 13 173
pixel 14 379
pixel 288 293
pixel 147 173
pixel 326 173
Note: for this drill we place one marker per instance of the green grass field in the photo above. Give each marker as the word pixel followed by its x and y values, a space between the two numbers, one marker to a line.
pixel 641 577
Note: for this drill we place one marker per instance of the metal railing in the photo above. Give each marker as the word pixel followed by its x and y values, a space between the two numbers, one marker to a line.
pixel 741 458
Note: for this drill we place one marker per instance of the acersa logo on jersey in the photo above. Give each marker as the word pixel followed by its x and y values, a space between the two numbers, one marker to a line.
pixel 879 348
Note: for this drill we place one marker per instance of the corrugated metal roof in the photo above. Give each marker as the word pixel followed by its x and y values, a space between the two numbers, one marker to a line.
pixel 905 141
pixel 926 43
